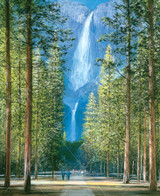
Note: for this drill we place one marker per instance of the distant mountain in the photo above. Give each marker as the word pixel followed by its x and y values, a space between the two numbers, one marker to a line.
pixel 103 10
pixel 74 10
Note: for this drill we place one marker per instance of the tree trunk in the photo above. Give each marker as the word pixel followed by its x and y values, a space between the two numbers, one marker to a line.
pixel 158 143
pixel 139 128
pixel 101 166
pixel 132 168
pixel 8 97
pixel 118 154
pixel 19 158
pixel 53 168
pixel 28 117
pixel 108 161
pixel 144 150
pixel 139 150
pixel 109 117
pixel 37 118
pixel 126 176
pixel 36 148
pixel 152 129
pixel 90 169
pixel 20 120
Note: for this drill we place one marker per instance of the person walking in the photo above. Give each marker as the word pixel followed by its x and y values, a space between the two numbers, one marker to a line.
pixel 68 174
pixel 63 174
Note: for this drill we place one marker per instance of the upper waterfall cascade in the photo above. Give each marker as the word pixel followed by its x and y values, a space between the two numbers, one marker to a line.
pixel 82 57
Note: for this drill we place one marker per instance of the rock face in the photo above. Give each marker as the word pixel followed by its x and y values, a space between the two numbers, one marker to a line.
pixel 74 11
pixel 82 77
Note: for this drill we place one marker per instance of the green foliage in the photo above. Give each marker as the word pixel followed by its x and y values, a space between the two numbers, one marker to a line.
pixel 110 121
pixel 71 155
pixel 49 42
pixel 105 120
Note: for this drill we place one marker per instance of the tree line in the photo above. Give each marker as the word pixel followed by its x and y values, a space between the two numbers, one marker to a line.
pixel 33 45
pixel 118 117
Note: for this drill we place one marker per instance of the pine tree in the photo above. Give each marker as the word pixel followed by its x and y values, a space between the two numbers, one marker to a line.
pixel 105 101
pixel 28 117
pixel 89 133
pixel 152 129
pixel 46 22
pixel 8 97
pixel 123 25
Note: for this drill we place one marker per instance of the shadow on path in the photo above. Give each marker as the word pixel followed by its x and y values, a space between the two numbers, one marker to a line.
pixel 79 186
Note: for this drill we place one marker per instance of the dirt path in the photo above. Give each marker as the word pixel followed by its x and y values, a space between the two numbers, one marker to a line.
pixel 78 186
pixel 81 190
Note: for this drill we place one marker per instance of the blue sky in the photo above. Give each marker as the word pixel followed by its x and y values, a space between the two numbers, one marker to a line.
pixel 92 4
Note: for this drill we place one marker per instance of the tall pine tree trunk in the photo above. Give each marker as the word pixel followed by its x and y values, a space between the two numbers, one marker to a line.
pixel 139 151
pixel 144 150
pixel 8 97
pixel 126 176
pixel 108 161
pixel 109 117
pixel 152 129
pixel 118 155
pixel 53 167
pixel 36 148
pixel 90 167
pixel 101 166
pixel 37 127
pixel 139 120
pixel 133 168
pixel 20 119
pixel 28 117
pixel 139 131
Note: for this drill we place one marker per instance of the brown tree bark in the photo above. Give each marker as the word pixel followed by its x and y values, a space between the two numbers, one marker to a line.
pixel 118 156
pixel 37 127
pixel 8 97
pixel 28 117
pixel 108 161
pixel 139 121
pixel 139 152
pixel 36 148
pixel 152 128
pixel 101 167
pixel 109 118
pixel 133 168
pixel 126 175
pixel 20 120
pixel 90 167
pixel 144 150
pixel 53 167
pixel 139 134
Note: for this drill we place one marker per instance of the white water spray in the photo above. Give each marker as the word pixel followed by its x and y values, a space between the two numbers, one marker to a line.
pixel 82 58
pixel 73 133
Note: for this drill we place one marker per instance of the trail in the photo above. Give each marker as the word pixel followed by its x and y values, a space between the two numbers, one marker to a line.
pixel 83 189
pixel 78 186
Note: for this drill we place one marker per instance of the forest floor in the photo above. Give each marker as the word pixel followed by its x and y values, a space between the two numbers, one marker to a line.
pixel 78 186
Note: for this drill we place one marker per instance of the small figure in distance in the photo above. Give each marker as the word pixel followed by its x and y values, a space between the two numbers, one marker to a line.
pixel 68 174
pixel 63 174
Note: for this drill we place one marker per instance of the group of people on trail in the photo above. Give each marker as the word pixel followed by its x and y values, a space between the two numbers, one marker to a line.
pixel 68 173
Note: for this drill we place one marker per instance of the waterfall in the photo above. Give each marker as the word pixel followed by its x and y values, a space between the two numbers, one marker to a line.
pixel 82 57
pixel 73 133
